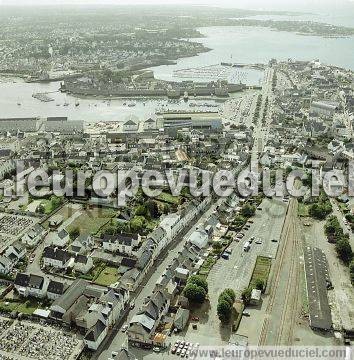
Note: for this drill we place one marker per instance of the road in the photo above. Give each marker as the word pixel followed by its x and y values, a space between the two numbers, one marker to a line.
pixel 35 267
pixel 261 131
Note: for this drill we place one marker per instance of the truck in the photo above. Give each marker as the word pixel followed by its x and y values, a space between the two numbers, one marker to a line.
pixel 247 246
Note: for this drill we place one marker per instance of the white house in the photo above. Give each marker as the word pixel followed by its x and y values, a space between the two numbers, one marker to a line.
pixel 159 237
pixel 61 238
pixel 150 124
pixel 172 225
pixel 130 125
pixel 96 335
pixel 31 285
pixel 199 238
pixel 122 243
pixel 15 251
pixel 83 244
pixel 83 263
pixel 55 289
pixel 55 257
pixel 34 236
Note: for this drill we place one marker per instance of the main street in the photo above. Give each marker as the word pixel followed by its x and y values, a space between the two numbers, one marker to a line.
pixel 261 130
pixel 146 289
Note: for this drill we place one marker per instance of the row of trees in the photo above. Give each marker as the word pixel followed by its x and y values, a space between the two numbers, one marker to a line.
pixel 336 234
pixel 246 212
pixel 321 209
pixel 225 304
pixel 196 289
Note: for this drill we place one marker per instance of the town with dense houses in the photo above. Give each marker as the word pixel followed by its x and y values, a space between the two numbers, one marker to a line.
pixel 83 276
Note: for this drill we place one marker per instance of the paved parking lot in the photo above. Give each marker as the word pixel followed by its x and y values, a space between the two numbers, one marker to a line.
pixel 236 272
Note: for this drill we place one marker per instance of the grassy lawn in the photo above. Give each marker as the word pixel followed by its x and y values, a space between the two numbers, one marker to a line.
pixel 92 220
pixel 108 276
pixel 25 306
pixel 303 210
pixel 261 270
pixel 168 198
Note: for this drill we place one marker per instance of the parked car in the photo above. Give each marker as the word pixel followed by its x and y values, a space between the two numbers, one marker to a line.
pixel 225 256
pixel 246 313
pixel 156 349
pixel 125 328
pixel 274 240
pixel 173 350
pixel 258 241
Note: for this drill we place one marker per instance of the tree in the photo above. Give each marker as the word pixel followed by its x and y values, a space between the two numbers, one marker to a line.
pixel 246 295
pixel 56 201
pixel 217 247
pixel 320 210
pixel 231 293
pixel 248 210
pixel 40 209
pixel 137 223
pixel 224 310
pixel 153 209
pixel 141 210
pixel 74 233
pixel 194 293
pixel 110 230
pixel 166 209
pixel 259 284
pixel 226 297
pixel 344 250
pixel 199 281
pixel 333 227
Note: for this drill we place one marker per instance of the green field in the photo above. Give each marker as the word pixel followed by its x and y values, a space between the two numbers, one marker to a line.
pixel 168 198
pixel 25 306
pixel 207 265
pixel 48 206
pixel 109 275
pixel 91 220
pixel 261 270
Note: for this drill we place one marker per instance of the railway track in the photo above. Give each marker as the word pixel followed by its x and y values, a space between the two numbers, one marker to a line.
pixel 288 317
pixel 288 244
